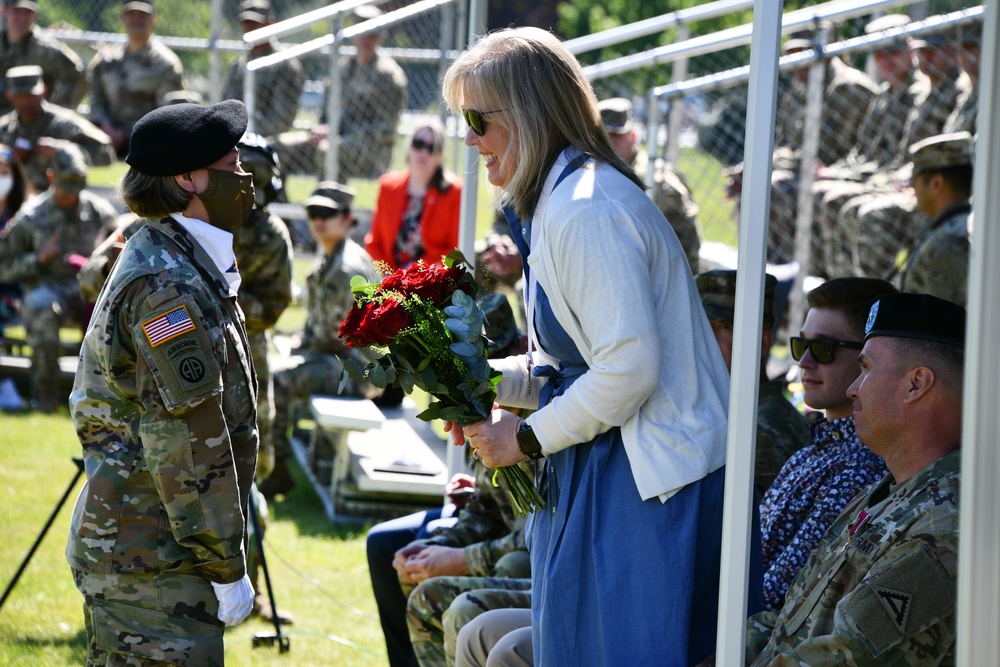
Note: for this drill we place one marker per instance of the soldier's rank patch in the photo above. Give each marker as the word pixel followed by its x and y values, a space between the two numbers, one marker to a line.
pixel 170 325
pixel 896 603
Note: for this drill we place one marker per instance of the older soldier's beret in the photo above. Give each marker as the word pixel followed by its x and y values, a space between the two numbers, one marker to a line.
pixel 25 79
pixel 69 167
pixel 329 194
pixel 718 294
pixel 616 114
pixel 919 316
pixel 181 138
pixel 941 152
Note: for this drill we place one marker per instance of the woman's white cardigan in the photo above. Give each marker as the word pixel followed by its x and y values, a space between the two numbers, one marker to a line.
pixel 620 285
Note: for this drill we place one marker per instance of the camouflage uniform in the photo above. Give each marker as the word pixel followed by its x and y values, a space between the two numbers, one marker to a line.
pixel 263 251
pixel 329 299
pixel 56 123
pixel 125 86
pixel 963 117
pixel 672 195
pixel 472 603
pixel 62 69
pixel 51 293
pixel 880 587
pixel 168 428
pixel 939 264
pixel 278 90
pixel 781 431
pixel 431 601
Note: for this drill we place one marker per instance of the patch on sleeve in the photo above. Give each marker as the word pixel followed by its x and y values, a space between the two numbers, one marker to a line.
pixel 903 600
pixel 168 326
pixel 180 353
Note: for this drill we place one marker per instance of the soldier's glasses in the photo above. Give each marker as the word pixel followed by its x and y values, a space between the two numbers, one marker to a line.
pixel 823 350
pixel 421 145
pixel 475 119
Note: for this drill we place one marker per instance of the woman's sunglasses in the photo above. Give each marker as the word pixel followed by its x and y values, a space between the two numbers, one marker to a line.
pixel 475 119
pixel 421 145
pixel 823 350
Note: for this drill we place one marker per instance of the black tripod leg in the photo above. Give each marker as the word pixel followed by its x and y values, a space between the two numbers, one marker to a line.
pixel 45 529
pixel 283 644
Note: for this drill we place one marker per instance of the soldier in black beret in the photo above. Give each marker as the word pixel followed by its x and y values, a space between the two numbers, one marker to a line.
pixel 165 405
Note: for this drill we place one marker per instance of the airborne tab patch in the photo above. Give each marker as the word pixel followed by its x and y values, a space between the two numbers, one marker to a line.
pixel 896 603
pixel 167 326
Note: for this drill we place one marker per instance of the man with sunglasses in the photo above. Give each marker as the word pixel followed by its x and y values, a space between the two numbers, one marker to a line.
pixel 317 363
pixel 817 482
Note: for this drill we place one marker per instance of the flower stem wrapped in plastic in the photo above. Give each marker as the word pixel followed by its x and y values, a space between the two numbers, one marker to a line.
pixel 422 327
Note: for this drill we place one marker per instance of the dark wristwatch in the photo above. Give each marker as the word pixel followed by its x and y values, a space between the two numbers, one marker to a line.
pixel 527 442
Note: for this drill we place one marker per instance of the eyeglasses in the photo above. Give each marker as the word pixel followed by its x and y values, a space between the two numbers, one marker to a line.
pixel 322 212
pixel 475 119
pixel 421 145
pixel 823 350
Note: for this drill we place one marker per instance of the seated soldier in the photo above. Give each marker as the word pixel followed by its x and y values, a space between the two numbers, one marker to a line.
pixel 880 588
pixel 329 298
pixel 781 429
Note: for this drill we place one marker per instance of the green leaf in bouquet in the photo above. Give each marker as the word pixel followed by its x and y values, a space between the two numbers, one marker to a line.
pixel 353 368
pixel 452 413
pixel 377 377
pixel 390 375
pixel 431 413
pixel 463 348
pixel 373 355
pixel 361 287
pixel 484 387
pixel 344 375
pixel 429 377
pixel 406 381
pixel 404 362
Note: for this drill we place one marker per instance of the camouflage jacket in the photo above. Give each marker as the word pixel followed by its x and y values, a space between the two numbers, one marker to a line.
pixel 125 86
pixel 263 250
pixel 963 116
pixel 372 96
pixel 62 70
pixel 939 264
pixel 672 195
pixel 931 112
pixel 329 297
pixel 56 123
pixel 278 89
pixel 78 230
pixel 880 587
pixel 486 528
pixel 164 404
pixel 781 431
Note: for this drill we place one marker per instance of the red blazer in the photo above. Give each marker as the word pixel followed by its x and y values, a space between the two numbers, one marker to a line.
pixel 438 223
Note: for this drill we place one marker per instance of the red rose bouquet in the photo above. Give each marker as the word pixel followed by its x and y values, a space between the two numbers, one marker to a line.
pixel 422 327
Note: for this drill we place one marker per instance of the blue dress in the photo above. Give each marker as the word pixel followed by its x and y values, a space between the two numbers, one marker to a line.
pixel 617 580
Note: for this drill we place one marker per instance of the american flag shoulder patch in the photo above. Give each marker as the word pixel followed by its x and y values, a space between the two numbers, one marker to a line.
pixel 170 325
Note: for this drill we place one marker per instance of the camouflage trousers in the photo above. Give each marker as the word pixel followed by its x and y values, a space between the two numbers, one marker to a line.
pixel 877 227
pixel 150 620
pixel 426 607
pixel 472 604
pixel 44 309
pixel 259 346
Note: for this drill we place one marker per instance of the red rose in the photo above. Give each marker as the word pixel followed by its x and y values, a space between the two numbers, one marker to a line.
pixel 350 329
pixel 382 324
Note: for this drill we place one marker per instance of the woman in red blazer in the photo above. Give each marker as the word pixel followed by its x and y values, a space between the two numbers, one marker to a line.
pixel 416 216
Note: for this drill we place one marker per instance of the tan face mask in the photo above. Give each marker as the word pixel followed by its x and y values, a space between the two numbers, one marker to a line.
pixel 228 198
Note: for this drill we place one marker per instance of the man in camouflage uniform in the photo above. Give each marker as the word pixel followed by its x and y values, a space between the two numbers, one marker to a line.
pixel 317 366
pixel 963 116
pixel 49 240
pixel 22 44
pixel 882 219
pixel 129 80
pixel 670 192
pixel 942 181
pixel 164 404
pixel 372 94
pixel 34 126
pixel 781 429
pixel 278 87
pixel 880 587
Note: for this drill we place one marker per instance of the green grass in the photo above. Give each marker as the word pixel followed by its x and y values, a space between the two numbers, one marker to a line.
pixel 708 189
pixel 41 622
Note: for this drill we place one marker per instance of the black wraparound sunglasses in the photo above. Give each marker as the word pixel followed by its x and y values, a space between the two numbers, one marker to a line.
pixel 823 350
pixel 475 119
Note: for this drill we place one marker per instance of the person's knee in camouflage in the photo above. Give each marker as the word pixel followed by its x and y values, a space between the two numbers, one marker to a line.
pixel 431 598
pixel 472 604
pixel 888 224
pixel 45 308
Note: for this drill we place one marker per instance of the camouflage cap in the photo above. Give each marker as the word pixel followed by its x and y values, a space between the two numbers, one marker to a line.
pixel 887 22
pixel 941 152
pixel 718 295
pixel 69 168
pixel 132 5
pixel 367 12
pixel 256 11
pixel 918 316
pixel 22 4
pixel 329 194
pixel 500 325
pixel 616 114
pixel 25 79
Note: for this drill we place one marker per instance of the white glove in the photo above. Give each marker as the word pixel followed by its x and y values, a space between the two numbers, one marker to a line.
pixel 235 600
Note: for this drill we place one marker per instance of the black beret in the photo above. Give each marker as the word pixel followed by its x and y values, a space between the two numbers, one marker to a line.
pixel 919 316
pixel 181 138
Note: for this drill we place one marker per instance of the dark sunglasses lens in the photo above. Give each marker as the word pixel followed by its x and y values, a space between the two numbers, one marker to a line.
pixel 322 212
pixel 474 119
pixel 798 347
pixel 822 350
pixel 421 145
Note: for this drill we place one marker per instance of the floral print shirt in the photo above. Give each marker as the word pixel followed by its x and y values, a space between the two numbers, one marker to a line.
pixel 811 490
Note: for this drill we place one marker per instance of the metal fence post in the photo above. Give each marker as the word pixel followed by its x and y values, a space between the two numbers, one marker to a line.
pixel 332 164
pixel 676 117
pixel 215 54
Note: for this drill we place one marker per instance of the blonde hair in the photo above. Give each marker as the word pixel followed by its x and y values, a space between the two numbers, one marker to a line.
pixel 547 102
